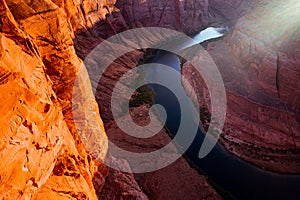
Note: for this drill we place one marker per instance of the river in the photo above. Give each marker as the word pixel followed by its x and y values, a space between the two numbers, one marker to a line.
pixel 237 177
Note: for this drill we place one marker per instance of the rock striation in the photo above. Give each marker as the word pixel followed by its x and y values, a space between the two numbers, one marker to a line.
pixel 42 155
pixel 41 151
pixel 189 16
pixel 42 45
pixel 259 62
pixel 176 181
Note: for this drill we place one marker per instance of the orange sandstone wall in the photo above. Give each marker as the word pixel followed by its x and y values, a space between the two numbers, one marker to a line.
pixel 41 155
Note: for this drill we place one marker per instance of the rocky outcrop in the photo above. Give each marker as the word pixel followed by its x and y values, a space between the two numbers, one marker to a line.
pixel 231 10
pixel 189 16
pixel 259 62
pixel 42 155
pixel 176 181
pixel 120 185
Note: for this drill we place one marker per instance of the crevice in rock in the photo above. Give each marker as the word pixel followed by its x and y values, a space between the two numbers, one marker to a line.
pixel 162 13
pixel 28 125
pixel 277 75
pixel 293 136
pixel 77 195
pixel 4 76
pixel 34 183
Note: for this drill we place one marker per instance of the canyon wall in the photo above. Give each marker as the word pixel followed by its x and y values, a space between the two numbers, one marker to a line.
pixel 42 46
pixel 41 153
pixel 167 183
pixel 259 62
pixel 189 16
pixel 171 185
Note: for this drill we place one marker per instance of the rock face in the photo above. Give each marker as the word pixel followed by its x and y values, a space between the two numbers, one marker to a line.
pixel 41 153
pixel 260 65
pixel 232 9
pixel 176 181
pixel 188 16
pixel 42 44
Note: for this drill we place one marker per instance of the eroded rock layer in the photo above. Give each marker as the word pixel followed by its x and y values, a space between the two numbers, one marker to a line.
pixel 259 62
pixel 41 150
pixel 41 153
pixel 172 182
pixel 42 44
pixel 189 16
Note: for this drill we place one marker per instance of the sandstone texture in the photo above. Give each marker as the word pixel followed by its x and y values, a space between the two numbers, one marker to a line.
pixel 259 62
pixel 45 153
pixel 176 181
pixel 42 156
pixel 189 16
pixel 42 44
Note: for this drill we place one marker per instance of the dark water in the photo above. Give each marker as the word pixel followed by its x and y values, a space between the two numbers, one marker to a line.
pixel 239 178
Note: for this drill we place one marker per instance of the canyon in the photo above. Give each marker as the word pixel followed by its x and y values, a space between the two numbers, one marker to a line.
pixel 259 65
pixel 42 47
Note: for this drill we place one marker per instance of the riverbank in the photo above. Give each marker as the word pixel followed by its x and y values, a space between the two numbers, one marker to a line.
pixel 176 181
pixel 146 98
pixel 240 178
pixel 238 137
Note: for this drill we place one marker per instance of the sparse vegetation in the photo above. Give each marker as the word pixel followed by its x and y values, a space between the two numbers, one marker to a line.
pixel 144 95
pixel 205 117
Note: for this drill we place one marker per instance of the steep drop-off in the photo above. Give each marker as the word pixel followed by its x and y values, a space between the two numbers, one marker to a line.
pixel 172 182
pixel 41 153
pixel 259 62
pixel 171 185
pixel 189 16
pixel 42 45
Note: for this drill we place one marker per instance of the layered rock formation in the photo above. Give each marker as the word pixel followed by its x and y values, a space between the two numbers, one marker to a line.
pixel 259 62
pixel 176 181
pixel 42 155
pixel 172 182
pixel 189 16
pixel 42 44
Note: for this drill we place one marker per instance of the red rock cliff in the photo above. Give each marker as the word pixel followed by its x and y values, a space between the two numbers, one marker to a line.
pixel 41 152
pixel 260 65
pixel 42 156
pixel 189 16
